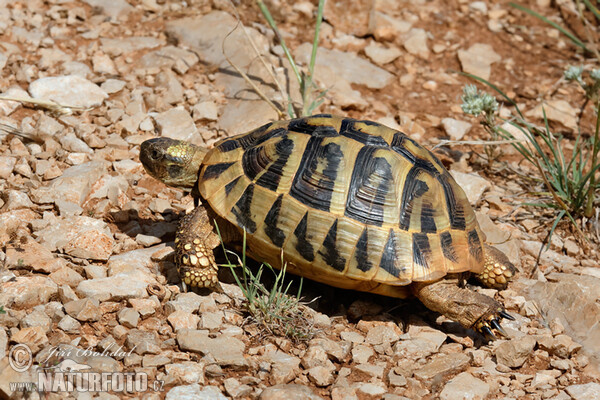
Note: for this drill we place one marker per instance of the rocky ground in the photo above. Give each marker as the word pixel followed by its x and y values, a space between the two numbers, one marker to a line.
pixel 86 236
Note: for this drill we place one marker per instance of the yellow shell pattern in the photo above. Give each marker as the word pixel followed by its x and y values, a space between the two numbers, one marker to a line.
pixel 350 203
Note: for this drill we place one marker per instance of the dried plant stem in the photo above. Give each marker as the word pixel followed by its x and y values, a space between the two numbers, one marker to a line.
pixel 258 91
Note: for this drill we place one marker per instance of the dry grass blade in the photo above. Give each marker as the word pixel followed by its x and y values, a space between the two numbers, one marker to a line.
pixel 49 105
pixel 260 56
pixel 246 77
pixel 445 142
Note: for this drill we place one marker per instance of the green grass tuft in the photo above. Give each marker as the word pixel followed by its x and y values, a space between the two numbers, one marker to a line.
pixel 312 97
pixel 274 311
pixel 571 185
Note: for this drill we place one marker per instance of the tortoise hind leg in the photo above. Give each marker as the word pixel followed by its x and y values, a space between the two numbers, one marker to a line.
pixel 470 309
pixel 194 244
pixel 497 269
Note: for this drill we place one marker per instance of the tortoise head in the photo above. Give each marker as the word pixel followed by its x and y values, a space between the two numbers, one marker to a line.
pixel 174 162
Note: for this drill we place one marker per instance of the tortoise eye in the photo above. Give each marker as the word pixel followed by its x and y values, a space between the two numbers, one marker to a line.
pixel 155 154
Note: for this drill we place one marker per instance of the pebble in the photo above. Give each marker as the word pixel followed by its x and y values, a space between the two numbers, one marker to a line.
pixel 478 60
pixel 381 55
pixel 87 309
pixel 515 352
pixel 443 365
pixel 7 165
pixel 465 386
pixel 586 391
pixel 289 392
pixel 186 372
pixel 36 256
pixel 142 342
pixel 473 185
pixel 346 66
pixel 415 42
pixel 80 236
pixel 456 129
pixel 176 123
pixel 559 111
pixel 194 391
pixel 227 351
pixel 71 90
pixel 74 185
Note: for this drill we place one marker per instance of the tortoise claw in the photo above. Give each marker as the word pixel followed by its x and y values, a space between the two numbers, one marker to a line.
pixel 506 315
pixel 495 324
pixel 489 326
pixel 487 332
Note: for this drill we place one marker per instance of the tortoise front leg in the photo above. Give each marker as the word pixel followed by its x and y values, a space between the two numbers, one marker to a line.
pixel 194 244
pixel 470 309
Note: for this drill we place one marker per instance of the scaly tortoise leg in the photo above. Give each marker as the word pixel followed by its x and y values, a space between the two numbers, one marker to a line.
pixel 194 244
pixel 497 269
pixel 470 309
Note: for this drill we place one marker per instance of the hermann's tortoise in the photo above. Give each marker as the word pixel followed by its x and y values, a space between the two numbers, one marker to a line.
pixel 349 203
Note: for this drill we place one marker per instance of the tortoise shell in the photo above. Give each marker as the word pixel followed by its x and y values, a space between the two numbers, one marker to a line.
pixel 343 200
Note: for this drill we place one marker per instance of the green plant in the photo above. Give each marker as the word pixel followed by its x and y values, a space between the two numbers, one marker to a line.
pixel 590 50
pixel 312 97
pixel 274 310
pixel 305 80
pixel 570 182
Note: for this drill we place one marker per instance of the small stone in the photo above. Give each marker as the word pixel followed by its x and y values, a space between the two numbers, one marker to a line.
pixel 375 371
pixel 128 317
pixel 154 361
pixel 146 240
pixel 586 391
pixel 87 309
pixel 515 352
pixel 381 55
pixel 559 111
pixel 383 334
pixel 211 320
pixel 36 256
pixel 34 337
pixel 362 353
pixel 321 376
pixel 205 110
pixel 69 324
pixel 415 42
pixel 235 389
pixel 37 318
pixel 479 6
pixel 176 123
pixel 473 185
pixel 66 276
pixel 351 336
pixel 289 392
pixel 186 372
pixel 7 164
pixel 456 129
pixel 371 389
pixel 71 90
pixel 227 351
pixel 396 379
pixel 143 342
pixel 443 365
pixel 465 386
pixel 284 367
pixel 145 307
pixel 478 60
pixel 103 64
pixel 194 391
pixel 111 86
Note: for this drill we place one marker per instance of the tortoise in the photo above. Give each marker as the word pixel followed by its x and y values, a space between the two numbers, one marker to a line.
pixel 349 203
